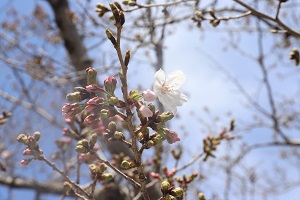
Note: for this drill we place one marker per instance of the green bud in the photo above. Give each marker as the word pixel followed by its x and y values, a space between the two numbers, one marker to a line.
pixel 80 149
pixel 177 192
pixel 22 138
pixel 106 177
pixel 113 101
pixel 165 116
pixel 125 164
pixel 110 37
pixel 165 185
pixel 115 12
pixel 127 58
pixel 134 95
pixel 201 196
pixel 118 135
pixel 215 22
pixel 93 140
pixel 132 3
pixel 150 144
pixel 151 107
pixel 170 197
pixel 122 17
pixel 74 97
pixel 104 113
pixel 118 5
pixel 91 74
pixel 94 169
pixel 125 2
pixel 83 143
pixel 112 126
pixel 36 135
pixel 102 168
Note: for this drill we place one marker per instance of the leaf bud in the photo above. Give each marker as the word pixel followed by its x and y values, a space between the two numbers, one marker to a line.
pixel 91 74
pixel 74 97
pixel 83 143
pixel 110 37
pixel 93 140
pixel 177 192
pixel 122 17
pixel 127 58
pixel 104 113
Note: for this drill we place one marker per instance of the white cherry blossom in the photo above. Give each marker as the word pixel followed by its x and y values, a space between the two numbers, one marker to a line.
pixel 166 89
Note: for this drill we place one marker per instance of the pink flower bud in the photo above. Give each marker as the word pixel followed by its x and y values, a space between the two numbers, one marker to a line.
pixel 25 162
pixel 146 112
pixel 149 95
pixel 171 136
pixel 27 152
pixel 94 88
pixel 91 119
pixel 70 110
pixel 110 84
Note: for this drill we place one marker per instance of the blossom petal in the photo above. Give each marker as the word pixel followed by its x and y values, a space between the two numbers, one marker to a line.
pixel 176 79
pixel 159 77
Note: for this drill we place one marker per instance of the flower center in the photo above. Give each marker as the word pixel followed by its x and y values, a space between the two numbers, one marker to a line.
pixel 165 88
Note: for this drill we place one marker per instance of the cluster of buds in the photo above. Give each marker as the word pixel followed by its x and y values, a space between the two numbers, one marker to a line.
pixel 169 174
pixel 112 134
pixel 117 13
pixel 84 146
pixel 169 192
pixel 184 181
pixel 32 146
pixel 97 172
pixel 210 143
pixel 129 2
pixel 4 116
pixel 101 9
pixel 294 55
pixel 198 18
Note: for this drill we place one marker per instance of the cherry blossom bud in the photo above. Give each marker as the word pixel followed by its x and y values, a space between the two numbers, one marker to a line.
pixel 74 97
pixel 27 152
pixel 119 135
pixel 165 185
pixel 110 36
pixel 113 101
pixel 146 112
pixel 155 175
pixel 149 95
pixel 25 162
pixel 91 119
pixel 93 140
pixel 94 88
pixel 36 135
pixel 70 110
pixel 91 74
pixel 106 177
pixel 22 138
pixel 125 164
pixel 201 196
pixel 83 143
pixel 171 136
pixel 110 84
pixel 177 192
pixel 112 126
pixel 150 144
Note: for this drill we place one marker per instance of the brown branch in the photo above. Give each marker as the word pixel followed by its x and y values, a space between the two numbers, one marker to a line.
pixel 261 15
